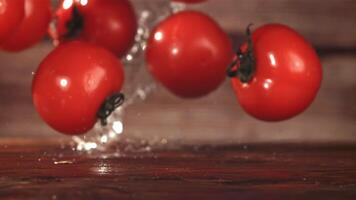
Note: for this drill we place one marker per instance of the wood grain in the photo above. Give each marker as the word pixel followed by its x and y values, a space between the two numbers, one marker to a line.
pixel 327 23
pixel 44 170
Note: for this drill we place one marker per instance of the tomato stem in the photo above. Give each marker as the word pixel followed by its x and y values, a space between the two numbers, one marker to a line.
pixel 243 66
pixel 75 24
pixel 110 104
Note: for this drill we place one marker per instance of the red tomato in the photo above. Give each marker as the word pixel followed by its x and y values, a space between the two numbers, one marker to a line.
pixel 108 23
pixel 190 1
pixel 11 14
pixel 32 28
pixel 72 83
pixel 188 53
pixel 286 77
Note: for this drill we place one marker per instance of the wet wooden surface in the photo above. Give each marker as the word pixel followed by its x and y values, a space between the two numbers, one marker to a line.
pixel 44 170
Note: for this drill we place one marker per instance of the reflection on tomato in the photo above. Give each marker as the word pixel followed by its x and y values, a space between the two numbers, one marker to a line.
pixel 72 83
pixel 11 15
pixel 111 24
pixel 32 28
pixel 188 53
pixel 286 78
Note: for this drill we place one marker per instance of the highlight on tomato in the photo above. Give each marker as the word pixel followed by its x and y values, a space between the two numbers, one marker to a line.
pixel 276 75
pixel 11 15
pixel 76 85
pixel 188 53
pixel 32 28
pixel 111 24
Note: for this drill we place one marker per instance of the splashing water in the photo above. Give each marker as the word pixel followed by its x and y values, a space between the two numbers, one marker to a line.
pixel 138 86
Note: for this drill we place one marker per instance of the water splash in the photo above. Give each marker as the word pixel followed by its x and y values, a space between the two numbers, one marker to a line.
pixel 137 88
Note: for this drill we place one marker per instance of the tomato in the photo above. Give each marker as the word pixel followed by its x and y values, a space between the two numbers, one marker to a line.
pixel 279 74
pixel 111 24
pixel 189 1
pixel 73 83
pixel 11 14
pixel 188 53
pixel 32 28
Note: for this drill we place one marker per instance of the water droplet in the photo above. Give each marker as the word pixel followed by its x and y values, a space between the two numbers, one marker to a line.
pixel 164 141
pixel 104 139
pixel 63 162
pixel 148 148
pixel 129 57
pixel 118 127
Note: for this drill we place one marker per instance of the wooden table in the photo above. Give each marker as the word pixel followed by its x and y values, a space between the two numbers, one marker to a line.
pixel 47 170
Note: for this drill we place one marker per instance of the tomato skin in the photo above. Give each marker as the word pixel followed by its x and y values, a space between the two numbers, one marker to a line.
pixel 11 14
pixel 32 28
pixel 72 83
pixel 189 1
pixel 189 63
pixel 111 24
pixel 287 78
